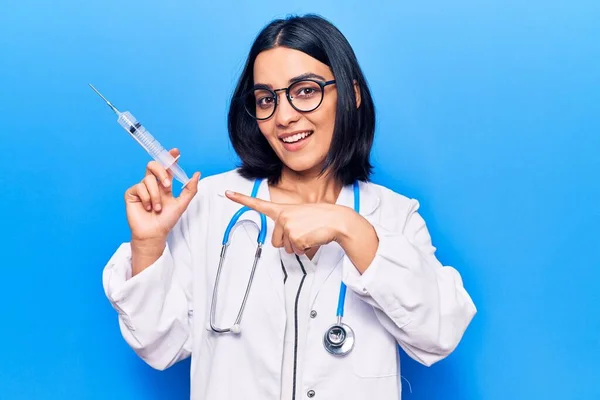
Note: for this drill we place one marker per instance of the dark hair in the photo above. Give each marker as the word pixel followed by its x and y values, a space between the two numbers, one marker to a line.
pixel 348 157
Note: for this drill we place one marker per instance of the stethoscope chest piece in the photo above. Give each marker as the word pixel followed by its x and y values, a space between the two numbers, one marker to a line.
pixel 339 339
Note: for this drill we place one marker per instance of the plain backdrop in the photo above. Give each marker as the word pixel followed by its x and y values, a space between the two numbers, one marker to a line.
pixel 487 113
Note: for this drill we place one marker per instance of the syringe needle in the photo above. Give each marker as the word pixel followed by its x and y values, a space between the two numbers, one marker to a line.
pixel 147 141
pixel 104 98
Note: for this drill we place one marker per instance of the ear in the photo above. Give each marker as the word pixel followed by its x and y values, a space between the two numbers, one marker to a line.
pixel 357 94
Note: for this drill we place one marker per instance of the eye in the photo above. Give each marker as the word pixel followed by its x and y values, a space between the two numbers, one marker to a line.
pixel 263 98
pixel 306 91
pixel 265 102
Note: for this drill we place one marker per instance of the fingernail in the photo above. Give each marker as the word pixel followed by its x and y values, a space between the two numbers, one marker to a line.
pixel 229 192
pixel 166 182
pixel 148 207
pixel 157 207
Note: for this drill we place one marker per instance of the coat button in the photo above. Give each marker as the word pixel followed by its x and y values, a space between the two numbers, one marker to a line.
pixel 310 393
pixel 313 314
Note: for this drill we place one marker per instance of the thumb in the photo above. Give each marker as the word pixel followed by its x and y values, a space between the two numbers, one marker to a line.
pixel 189 191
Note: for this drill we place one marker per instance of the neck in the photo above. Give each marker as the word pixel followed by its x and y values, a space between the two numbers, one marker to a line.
pixel 309 187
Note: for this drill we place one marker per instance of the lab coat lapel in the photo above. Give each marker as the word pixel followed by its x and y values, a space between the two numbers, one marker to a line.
pixel 333 253
pixel 269 259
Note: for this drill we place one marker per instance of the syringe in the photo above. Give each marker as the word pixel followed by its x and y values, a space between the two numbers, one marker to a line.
pixel 148 142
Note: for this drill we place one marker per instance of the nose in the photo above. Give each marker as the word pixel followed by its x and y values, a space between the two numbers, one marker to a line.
pixel 285 114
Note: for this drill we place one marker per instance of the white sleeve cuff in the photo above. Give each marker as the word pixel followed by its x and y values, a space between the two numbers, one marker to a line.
pixel 131 295
pixel 389 281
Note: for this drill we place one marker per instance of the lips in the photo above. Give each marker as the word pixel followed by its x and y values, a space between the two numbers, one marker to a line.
pixel 295 137
pixel 295 141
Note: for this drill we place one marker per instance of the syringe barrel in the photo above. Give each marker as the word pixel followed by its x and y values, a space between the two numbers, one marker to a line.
pixel 139 133
pixel 151 145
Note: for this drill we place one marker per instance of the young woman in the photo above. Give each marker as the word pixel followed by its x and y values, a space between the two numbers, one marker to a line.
pixel 347 271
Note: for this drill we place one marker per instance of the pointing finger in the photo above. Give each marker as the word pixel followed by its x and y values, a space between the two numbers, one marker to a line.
pixel 268 208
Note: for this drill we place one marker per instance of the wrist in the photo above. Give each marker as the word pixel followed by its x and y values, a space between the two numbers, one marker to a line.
pixel 148 246
pixel 145 252
pixel 358 238
pixel 346 224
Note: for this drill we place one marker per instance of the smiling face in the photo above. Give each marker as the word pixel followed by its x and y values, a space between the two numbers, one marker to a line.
pixel 301 140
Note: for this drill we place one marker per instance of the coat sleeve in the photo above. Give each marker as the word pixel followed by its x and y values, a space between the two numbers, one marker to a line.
pixel 155 307
pixel 422 303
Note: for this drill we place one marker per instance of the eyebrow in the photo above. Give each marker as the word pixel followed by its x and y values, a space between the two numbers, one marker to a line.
pixel 307 75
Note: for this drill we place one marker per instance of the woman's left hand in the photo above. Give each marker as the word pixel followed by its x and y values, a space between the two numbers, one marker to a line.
pixel 299 227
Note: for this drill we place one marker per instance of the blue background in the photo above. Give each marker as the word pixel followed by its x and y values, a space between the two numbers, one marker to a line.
pixel 488 113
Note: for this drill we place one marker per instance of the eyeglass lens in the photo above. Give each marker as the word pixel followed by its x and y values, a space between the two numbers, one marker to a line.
pixel 303 95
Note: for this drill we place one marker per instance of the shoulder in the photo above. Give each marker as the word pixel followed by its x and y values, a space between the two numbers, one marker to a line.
pixel 390 199
pixel 211 187
pixel 394 209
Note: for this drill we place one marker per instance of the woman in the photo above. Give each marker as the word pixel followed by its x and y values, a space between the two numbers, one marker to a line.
pixel 302 122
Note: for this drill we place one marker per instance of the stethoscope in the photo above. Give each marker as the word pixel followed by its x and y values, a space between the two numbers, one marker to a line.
pixel 338 338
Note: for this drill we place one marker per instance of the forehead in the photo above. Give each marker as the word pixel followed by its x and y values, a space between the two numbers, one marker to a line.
pixel 278 65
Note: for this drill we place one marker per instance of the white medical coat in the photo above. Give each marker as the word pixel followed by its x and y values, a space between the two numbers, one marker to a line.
pixel 405 297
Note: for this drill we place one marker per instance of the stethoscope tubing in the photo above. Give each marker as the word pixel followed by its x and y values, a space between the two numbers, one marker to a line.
pixel 338 329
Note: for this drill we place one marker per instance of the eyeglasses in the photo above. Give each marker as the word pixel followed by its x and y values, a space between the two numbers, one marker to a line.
pixel 304 95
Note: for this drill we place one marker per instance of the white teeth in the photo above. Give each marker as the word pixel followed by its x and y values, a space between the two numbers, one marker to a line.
pixel 296 137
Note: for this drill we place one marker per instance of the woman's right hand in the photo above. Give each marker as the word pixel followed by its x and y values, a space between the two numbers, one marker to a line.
pixel 152 210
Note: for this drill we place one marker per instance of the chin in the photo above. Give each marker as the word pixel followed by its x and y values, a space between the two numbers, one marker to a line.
pixel 301 166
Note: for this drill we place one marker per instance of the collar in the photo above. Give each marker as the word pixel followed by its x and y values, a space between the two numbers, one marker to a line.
pixel 369 198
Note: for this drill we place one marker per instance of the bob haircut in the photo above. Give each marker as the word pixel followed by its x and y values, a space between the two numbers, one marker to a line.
pixel 349 154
